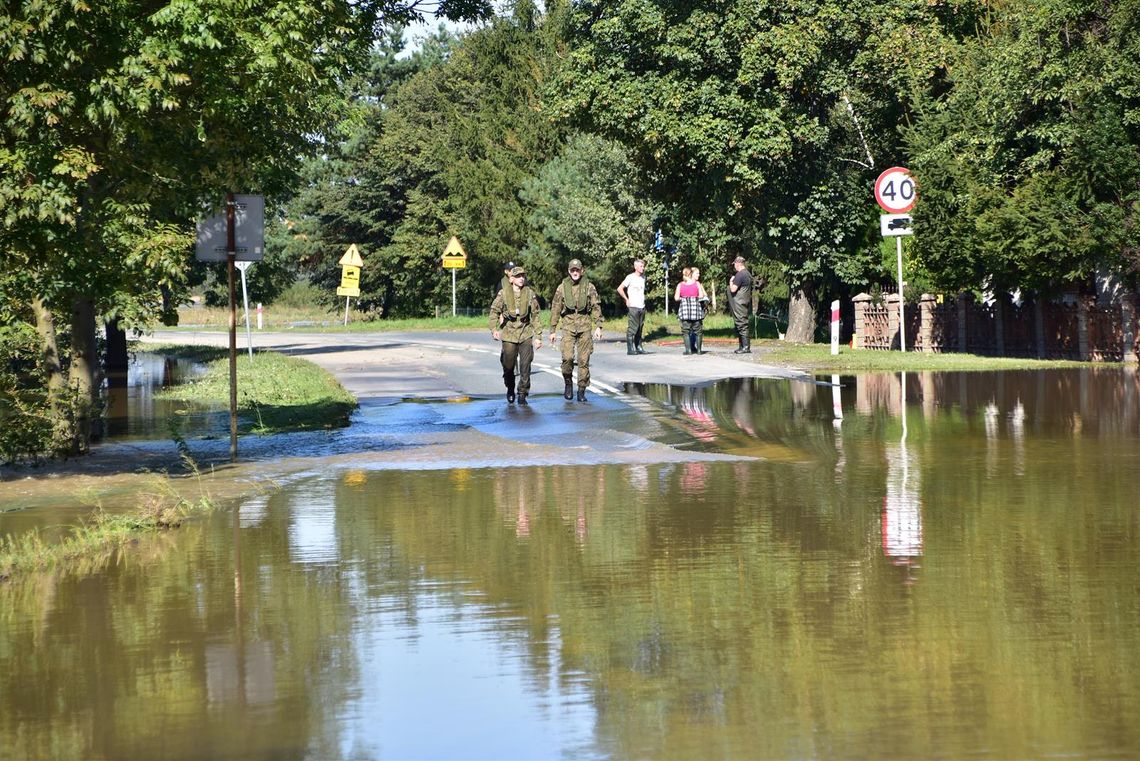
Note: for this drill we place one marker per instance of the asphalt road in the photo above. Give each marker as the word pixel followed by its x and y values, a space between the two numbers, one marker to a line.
pixel 434 365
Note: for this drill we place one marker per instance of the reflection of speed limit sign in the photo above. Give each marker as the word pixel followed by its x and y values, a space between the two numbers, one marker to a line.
pixel 895 191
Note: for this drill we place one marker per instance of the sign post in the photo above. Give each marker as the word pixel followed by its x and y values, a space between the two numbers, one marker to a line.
pixel 895 193
pixel 242 267
pixel 350 265
pixel 454 258
pixel 235 234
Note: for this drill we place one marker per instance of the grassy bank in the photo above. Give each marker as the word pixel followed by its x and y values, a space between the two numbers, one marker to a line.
pixel 276 393
pixel 819 357
pixel 99 536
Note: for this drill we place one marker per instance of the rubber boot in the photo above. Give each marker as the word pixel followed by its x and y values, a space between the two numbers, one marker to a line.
pixel 685 341
pixel 629 347
pixel 740 344
pixel 522 400
pixel 510 389
pixel 568 392
pixel 581 394
pixel 746 340
pixel 698 339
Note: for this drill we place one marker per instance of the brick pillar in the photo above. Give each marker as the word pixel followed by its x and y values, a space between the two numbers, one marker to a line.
pixel 1039 325
pixel 1083 328
pixel 861 302
pixel 1128 326
pixel 892 302
pixel 965 300
pixel 926 328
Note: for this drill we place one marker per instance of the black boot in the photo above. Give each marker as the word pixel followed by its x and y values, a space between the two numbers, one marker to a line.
pixel 510 384
pixel 641 349
pixel 685 342
pixel 697 340
pixel 630 348
pixel 568 392
pixel 581 394
pixel 522 400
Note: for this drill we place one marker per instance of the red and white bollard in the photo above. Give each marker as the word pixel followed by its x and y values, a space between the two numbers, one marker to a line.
pixel 835 327
pixel 259 315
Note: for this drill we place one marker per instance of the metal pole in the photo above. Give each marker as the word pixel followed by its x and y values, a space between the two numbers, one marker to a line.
pixel 666 284
pixel 231 255
pixel 245 303
pixel 452 291
pixel 902 301
pixel 346 298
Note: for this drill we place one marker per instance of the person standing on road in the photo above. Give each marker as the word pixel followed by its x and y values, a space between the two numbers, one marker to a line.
pixel 577 306
pixel 515 320
pixel 740 300
pixel 632 292
pixel 690 310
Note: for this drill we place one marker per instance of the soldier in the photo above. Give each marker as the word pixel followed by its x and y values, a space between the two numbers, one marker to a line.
pixel 515 320
pixel 576 304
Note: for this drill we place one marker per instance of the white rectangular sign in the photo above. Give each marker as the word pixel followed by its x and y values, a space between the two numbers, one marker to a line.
pixel 249 232
pixel 893 225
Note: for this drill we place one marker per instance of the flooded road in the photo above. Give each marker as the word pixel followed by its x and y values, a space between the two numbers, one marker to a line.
pixel 909 566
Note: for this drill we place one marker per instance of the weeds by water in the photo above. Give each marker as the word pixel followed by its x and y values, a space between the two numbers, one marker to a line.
pixel 102 533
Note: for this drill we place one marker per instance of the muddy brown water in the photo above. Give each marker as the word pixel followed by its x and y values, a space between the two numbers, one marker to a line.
pixel 949 569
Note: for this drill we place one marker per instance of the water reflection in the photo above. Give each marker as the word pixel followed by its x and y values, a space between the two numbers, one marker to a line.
pixel 748 609
pixel 135 411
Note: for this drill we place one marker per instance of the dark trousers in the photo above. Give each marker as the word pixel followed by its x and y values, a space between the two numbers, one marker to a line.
pixel 634 327
pixel 517 355
pixel 741 317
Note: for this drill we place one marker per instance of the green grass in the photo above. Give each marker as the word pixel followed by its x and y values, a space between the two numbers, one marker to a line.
pixel 819 357
pixel 276 393
pixel 99 536
pixel 318 319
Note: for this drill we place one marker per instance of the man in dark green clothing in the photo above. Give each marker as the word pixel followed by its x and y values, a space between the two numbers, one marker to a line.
pixel 740 301
pixel 577 306
pixel 515 320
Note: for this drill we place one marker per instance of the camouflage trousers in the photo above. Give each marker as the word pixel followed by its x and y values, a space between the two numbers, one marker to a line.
pixel 581 344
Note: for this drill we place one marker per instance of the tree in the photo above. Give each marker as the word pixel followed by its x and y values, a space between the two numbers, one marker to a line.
pixel 1029 158
pixel 447 155
pixel 120 120
pixel 586 203
pixel 767 117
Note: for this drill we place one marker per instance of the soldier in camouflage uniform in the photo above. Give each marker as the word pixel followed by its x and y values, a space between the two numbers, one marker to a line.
pixel 515 320
pixel 577 306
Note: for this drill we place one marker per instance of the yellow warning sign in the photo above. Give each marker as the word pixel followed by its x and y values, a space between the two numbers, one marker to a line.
pixel 353 292
pixel 351 257
pixel 454 257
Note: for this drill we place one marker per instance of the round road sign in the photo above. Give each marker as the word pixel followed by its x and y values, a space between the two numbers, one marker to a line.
pixel 895 190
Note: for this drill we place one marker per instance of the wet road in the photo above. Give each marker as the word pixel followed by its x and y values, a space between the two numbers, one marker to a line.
pixel 434 365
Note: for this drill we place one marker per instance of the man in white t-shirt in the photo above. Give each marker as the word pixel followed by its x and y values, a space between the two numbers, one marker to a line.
pixel 632 291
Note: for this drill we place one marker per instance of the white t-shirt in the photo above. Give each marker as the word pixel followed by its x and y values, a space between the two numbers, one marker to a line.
pixel 634 285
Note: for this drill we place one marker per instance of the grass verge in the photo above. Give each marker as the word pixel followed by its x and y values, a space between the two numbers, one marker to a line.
pixel 819 357
pixel 276 393
pixel 99 536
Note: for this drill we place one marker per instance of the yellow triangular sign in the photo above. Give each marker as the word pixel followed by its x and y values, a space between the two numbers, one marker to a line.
pixel 454 248
pixel 351 257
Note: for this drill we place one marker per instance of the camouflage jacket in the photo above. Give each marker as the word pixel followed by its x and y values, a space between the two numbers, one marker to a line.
pixel 579 311
pixel 516 314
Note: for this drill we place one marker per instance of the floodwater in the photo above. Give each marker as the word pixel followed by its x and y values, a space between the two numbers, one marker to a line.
pixel 919 566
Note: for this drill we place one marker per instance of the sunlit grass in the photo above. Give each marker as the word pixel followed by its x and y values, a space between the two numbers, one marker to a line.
pixel 819 357
pixel 276 393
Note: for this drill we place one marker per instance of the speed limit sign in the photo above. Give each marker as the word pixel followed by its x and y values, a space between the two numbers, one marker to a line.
pixel 895 191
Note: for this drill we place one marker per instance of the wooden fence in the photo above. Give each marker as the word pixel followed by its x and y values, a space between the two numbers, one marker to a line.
pixel 1043 329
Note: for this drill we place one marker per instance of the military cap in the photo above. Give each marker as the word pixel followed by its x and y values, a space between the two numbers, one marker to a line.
pixel 575 265
pixel 516 271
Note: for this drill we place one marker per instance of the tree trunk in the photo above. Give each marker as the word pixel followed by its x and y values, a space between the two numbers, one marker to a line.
pixel 83 378
pixel 801 316
pixel 49 351
pixel 115 359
